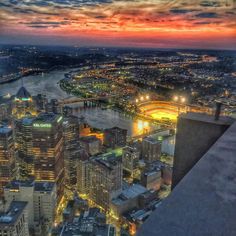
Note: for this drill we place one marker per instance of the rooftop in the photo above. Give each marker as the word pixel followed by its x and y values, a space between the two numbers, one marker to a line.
pixel 132 192
pixel 47 118
pixel 44 186
pixel 89 139
pixel 207 118
pixel 12 214
pixel 204 201
pixel 152 140
pixel 27 121
pixel 23 93
pixel 38 186
pixel 89 223
pixel 5 129
pixel 109 160
pixel 115 128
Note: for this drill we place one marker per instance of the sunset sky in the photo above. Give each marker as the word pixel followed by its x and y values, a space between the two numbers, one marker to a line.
pixel 133 23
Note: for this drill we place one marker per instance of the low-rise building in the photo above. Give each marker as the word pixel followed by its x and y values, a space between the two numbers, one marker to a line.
pixel 14 222
pixel 152 179
pixel 115 137
pixel 89 223
pixel 127 200
pixel 41 199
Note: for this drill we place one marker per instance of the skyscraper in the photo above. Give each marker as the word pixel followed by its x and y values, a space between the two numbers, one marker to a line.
pixel 7 157
pixel 23 104
pixel 71 150
pixel 23 140
pixel 83 174
pixel 48 149
pixel 106 180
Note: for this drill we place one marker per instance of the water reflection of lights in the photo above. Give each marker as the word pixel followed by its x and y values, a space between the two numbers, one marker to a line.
pixel 142 127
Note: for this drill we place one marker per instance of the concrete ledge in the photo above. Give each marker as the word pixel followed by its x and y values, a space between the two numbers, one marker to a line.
pixel 204 202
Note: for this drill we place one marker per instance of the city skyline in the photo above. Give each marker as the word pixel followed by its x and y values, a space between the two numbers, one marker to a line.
pixel 138 23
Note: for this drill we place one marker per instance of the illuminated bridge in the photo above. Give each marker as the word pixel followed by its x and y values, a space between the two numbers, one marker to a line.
pixel 74 100
pixel 145 134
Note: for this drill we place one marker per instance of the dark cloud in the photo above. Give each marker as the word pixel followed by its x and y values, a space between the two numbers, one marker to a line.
pixel 210 4
pixel 71 4
pixel 202 23
pixel 45 24
pixel 181 11
pixel 100 17
pixel 32 11
pixel 38 26
pixel 207 15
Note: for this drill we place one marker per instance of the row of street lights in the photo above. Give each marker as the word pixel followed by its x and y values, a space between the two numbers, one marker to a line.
pixel 180 99
pixel 142 99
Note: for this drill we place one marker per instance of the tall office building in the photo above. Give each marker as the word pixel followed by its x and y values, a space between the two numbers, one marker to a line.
pixel 23 104
pixel 196 133
pixel 14 222
pixel 48 149
pixel 83 174
pixel 71 127
pixel 71 157
pixel 53 106
pixel 71 150
pixel 5 108
pixel 7 157
pixel 151 150
pixel 41 102
pixel 115 137
pixel 106 180
pixel 23 140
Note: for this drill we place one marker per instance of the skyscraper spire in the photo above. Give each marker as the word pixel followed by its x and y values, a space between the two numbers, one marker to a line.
pixel 22 82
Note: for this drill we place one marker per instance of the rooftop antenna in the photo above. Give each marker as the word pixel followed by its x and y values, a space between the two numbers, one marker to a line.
pixel 218 110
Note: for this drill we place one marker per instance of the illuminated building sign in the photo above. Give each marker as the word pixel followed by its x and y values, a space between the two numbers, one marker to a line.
pixel 38 125
pixel 22 99
pixel 26 99
pixel 59 119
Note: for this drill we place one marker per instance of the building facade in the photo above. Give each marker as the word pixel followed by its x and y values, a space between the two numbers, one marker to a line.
pixel 7 157
pixel 106 180
pixel 23 104
pixel 115 137
pixel 48 150
pixel 40 198
pixel 151 149
pixel 24 144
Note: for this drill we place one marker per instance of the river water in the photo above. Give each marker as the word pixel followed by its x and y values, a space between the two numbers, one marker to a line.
pixel 96 117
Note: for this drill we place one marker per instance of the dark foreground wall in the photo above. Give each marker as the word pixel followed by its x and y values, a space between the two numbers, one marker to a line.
pixel 204 202
pixel 196 133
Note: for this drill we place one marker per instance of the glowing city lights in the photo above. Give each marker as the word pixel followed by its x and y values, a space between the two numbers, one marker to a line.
pixel 180 99
pixel 142 98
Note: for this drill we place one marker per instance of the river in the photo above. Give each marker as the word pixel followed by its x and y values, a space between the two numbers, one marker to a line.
pixel 96 117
